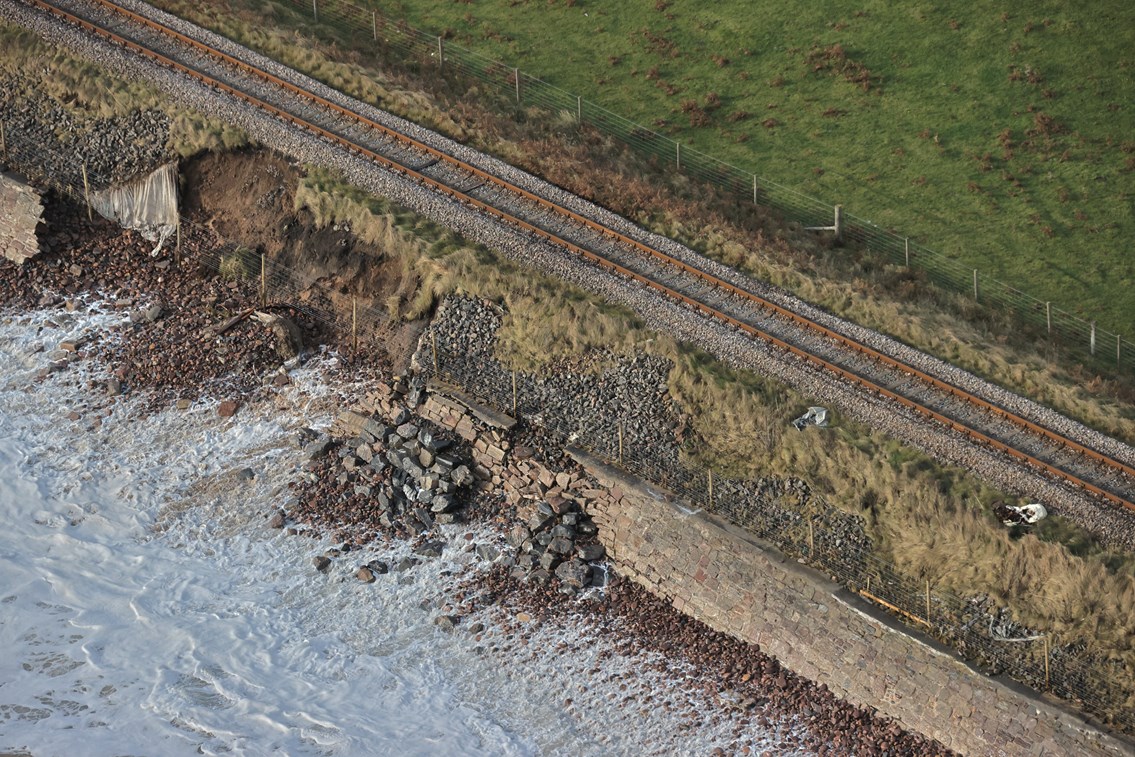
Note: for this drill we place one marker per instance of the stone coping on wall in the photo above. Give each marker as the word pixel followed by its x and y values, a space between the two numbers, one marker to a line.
pixel 740 585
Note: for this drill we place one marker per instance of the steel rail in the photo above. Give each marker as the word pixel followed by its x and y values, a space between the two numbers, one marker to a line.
pixel 439 155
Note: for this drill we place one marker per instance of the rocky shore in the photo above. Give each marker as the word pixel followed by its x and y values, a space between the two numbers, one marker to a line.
pixel 399 464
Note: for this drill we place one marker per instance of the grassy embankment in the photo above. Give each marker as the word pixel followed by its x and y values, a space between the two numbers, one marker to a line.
pixel 922 516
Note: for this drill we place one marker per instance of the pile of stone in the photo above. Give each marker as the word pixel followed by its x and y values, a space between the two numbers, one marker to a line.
pixel 557 538
pixel 411 473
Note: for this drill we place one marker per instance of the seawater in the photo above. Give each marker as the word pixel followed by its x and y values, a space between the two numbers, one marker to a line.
pixel 147 609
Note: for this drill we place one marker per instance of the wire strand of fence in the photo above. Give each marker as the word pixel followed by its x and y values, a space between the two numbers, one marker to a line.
pixel 1053 327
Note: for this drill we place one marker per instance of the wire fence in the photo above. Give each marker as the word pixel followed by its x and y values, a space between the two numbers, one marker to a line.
pixel 1055 328
pixel 807 528
pixel 812 530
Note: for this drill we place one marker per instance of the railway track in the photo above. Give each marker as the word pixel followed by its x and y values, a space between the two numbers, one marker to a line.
pixel 737 304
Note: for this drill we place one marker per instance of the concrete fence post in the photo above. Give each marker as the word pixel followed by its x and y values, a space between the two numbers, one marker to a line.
pixel 579 109
pixel 440 52
pixel 315 10
pixel 516 75
pixel 1048 315
pixel 678 155
pixel 754 189
pixel 837 224
pixel 1092 345
pixel 906 251
pixel 975 292
pixel 374 24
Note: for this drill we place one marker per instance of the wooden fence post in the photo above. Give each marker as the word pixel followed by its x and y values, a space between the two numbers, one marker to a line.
pixel 754 189
pixel 433 341
pixel 355 323
pixel 440 52
pixel 811 539
pixel 516 75
pixel 514 393
pixel 315 10
pixel 711 488
pixel 1093 339
pixel 87 193
pixel 678 154
pixel 263 281
pixel 1117 342
pixel 374 24
pixel 837 224
pixel 177 247
pixel 975 293
pixel 928 600
pixel 1048 315
pixel 906 251
pixel 1046 679
pixel 3 141
pixel 579 109
pixel 620 442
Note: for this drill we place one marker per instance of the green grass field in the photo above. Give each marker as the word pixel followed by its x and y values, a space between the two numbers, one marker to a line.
pixel 1002 137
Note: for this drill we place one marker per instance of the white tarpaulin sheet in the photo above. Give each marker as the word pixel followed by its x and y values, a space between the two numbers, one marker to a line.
pixel 148 204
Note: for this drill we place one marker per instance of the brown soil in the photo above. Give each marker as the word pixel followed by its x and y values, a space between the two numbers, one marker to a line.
pixel 248 197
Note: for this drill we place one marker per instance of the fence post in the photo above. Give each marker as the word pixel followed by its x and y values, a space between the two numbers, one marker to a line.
pixel 87 193
pixel 1048 315
pixel 433 343
pixel 374 24
pixel 837 224
pixel 906 251
pixel 711 488
pixel 811 539
pixel 678 154
pixel 620 442
pixel 579 109
pixel 177 247
pixel 315 10
pixel 1046 683
pixel 975 293
pixel 1117 341
pixel 1093 342
pixel 754 189
pixel 440 52
pixel 516 74
pixel 928 600
pixel 355 323
pixel 514 393
pixel 3 141
pixel 263 281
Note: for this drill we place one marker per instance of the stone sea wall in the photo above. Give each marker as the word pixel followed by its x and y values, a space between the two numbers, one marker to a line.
pixel 721 576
